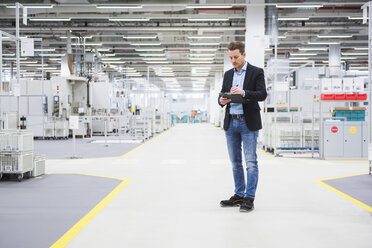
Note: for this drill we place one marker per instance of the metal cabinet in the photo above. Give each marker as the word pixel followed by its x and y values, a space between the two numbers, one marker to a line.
pixel 333 139
pixel 352 139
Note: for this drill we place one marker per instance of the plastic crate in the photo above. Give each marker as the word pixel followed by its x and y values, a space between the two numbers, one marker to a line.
pixel 361 96
pixel 351 96
pixel 16 140
pixel 326 97
pixel 16 163
pixel 340 96
pixel 39 166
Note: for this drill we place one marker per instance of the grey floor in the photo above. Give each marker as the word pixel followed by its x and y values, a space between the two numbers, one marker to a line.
pixel 36 212
pixel 359 187
pixel 84 148
pixel 178 179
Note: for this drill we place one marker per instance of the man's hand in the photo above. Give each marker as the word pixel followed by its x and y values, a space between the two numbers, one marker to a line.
pixel 236 90
pixel 224 100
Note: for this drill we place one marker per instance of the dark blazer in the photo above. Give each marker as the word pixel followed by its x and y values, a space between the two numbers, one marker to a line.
pixel 255 90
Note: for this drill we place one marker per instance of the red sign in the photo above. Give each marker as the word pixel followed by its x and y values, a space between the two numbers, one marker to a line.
pixel 334 129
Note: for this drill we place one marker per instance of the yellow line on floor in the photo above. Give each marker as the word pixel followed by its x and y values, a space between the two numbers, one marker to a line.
pixel 265 153
pixel 138 147
pixel 347 197
pixel 70 234
pixel 343 176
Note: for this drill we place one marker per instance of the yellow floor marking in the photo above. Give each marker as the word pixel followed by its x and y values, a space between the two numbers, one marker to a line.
pixel 70 234
pixel 265 153
pixel 347 197
pixel 138 147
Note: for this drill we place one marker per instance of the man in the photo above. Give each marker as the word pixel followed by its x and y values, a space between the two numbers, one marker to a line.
pixel 241 124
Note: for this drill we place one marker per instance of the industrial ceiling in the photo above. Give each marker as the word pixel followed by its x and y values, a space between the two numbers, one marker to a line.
pixel 180 44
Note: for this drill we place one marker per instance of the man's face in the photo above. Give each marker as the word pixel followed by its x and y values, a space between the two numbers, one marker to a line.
pixel 237 59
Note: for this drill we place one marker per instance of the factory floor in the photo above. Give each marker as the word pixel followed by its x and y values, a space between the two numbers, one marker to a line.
pixel 178 179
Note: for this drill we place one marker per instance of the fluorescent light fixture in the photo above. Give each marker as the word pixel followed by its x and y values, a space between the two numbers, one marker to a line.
pixel 52 54
pixel 129 19
pixel 293 18
pixel 55 59
pixel 157 62
pixel 9 54
pixel 115 62
pixel 102 49
pixel 282 36
pixel 354 54
pixel 203 49
pixel 334 36
pixel 359 67
pixel 322 43
pixel 113 7
pixel 361 48
pixel 298 58
pixel 207 19
pixel 50 19
pixel 303 54
pixel 74 37
pixel 149 49
pixel 140 37
pixel 208 6
pixel 47 68
pixel 201 62
pixel 89 44
pixel 204 37
pixel 313 49
pixel 108 55
pixel 146 44
pixel 110 59
pixel 154 59
pixel 349 58
pixel 287 6
pixel 32 6
pixel 205 44
pixel 45 50
pixel 202 54
pixel 355 17
pixel 151 54
pixel 201 58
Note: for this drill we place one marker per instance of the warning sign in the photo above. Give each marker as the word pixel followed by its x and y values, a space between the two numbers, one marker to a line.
pixel 334 129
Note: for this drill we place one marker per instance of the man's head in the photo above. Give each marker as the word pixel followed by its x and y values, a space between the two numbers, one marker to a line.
pixel 237 54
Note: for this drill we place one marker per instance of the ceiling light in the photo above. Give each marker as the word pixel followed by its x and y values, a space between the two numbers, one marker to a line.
pixel 32 6
pixel 201 58
pixel 293 18
pixel 50 19
pixel 118 6
pixel 313 49
pixel 74 37
pixel 157 62
pixel 203 49
pixel 108 54
pixel 201 62
pixel 202 54
pixel 349 58
pixel 205 44
pixel 208 6
pixel 47 68
pixel 282 37
pixel 52 54
pixel 110 59
pixel 140 37
pixel 355 17
pixel 149 49
pixel 322 43
pixel 298 58
pixel 334 36
pixel 45 50
pixel 303 54
pixel 154 58
pixel 129 19
pixel 103 49
pixel 209 19
pixel 55 58
pixel 298 6
pixel 355 54
pixel 9 54
pixel 361 48
pixel 145 44
pixel 204 37
pixel 151 54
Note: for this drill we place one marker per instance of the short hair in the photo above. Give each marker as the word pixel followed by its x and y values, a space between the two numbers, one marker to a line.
pixel 237 45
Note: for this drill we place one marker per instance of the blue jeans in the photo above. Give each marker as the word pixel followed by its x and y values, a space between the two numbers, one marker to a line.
pixel 237 133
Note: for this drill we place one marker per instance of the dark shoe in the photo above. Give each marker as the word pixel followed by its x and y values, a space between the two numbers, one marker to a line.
pixel 234 201
pixel 247 205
